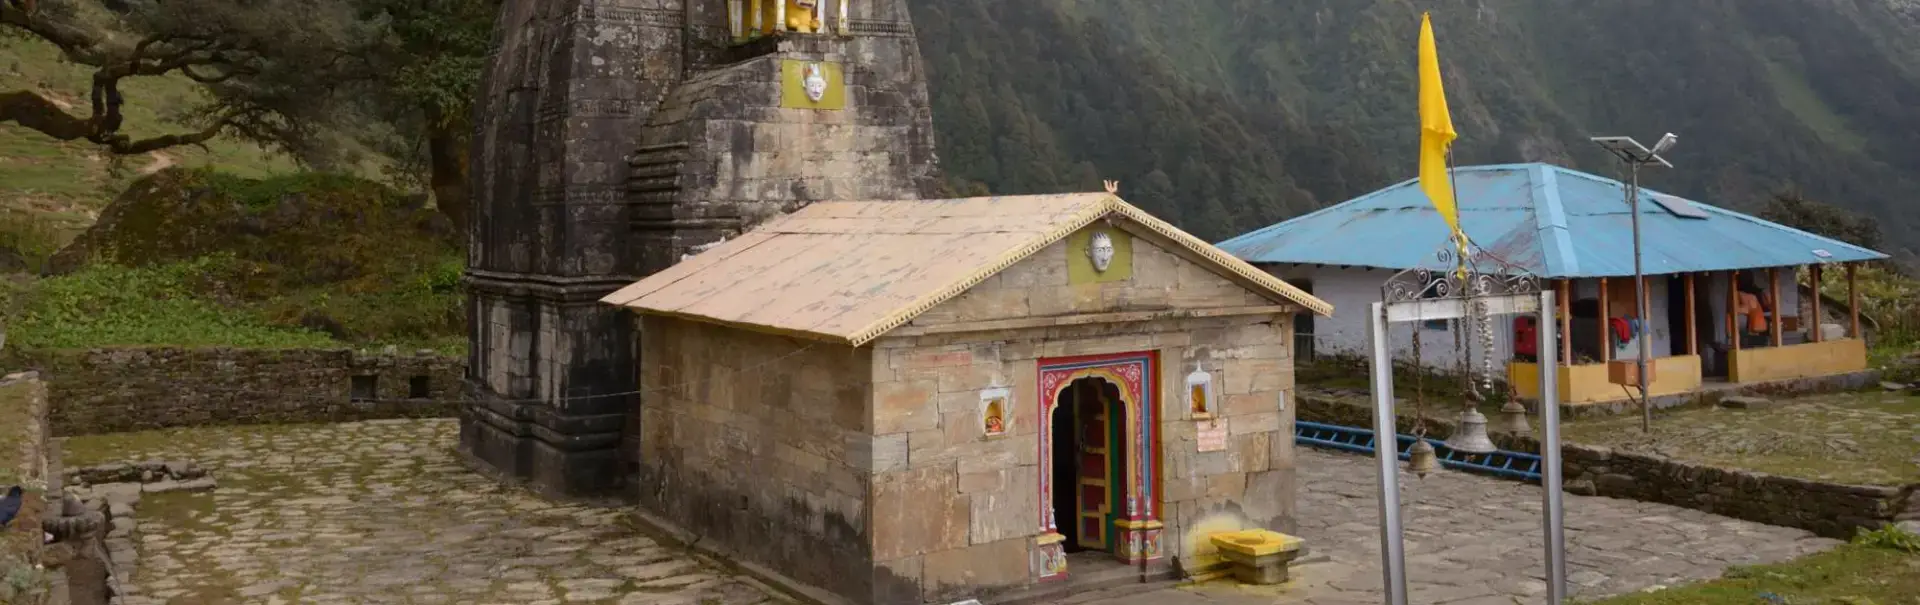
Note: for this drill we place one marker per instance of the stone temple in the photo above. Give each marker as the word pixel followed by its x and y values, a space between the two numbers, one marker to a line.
pixel 614 137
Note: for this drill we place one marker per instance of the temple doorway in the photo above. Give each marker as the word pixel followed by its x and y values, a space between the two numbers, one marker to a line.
pixel 1089 466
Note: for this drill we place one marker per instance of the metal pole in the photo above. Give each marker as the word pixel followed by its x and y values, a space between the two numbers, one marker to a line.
pixel 1553 521
pixel 1386 449
pixel 1640 291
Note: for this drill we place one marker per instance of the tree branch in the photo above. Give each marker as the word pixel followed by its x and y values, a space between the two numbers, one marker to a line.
pixel 42 115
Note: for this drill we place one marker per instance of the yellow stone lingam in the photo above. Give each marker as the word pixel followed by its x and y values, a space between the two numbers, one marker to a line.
pixel 1258 556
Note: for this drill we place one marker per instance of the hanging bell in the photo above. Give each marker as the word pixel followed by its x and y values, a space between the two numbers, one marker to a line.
pixel 1471 436
pixel 1421 459
pixel 1513 419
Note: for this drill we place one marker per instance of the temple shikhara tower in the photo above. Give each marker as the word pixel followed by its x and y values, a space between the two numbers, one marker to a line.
pixel 616 136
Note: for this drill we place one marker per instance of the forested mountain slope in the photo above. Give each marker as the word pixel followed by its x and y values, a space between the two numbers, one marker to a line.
pixel 1226 115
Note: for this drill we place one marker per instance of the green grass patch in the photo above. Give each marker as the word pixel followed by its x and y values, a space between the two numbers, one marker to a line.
pixel 1879 568
pixel 157 305
pixel 1867 437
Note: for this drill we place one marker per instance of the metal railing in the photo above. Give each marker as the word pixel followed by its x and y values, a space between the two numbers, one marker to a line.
pixel 1503 463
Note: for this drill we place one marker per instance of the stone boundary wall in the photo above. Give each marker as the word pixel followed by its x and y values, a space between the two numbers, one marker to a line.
pixel 1829 509
pixel 129 389
pixel 24 460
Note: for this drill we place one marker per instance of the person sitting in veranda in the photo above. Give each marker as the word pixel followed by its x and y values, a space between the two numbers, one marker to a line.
pixel 1755 309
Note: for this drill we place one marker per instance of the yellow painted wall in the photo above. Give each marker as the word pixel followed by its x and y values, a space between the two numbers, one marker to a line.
pixel 793 90
pixel 1588 383
pixel 1798 361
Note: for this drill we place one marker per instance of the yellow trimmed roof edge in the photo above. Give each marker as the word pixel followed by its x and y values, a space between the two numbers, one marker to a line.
pixel 1085 209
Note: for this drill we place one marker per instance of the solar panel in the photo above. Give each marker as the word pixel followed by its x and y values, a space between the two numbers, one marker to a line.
pixel 1679 207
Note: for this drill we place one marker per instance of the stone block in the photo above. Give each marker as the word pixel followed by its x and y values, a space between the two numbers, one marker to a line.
pixel 1265 422
pixel 1009 512
pixel 999 456
pixel 1248 404
pixel 970 378
pixel 905 406
pixel 898 580
pixel 1183 489
pixel 919 511
pixel 983 481
pixel 887 453
pixel 917 358
pixel 981 305
pixel 954 573
pixel 1227 485
pixel 1250 451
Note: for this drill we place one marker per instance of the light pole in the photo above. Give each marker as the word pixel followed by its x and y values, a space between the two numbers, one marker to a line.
pixel 1635 155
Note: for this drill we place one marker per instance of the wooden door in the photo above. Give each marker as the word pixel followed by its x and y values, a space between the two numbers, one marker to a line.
pixel 1096 484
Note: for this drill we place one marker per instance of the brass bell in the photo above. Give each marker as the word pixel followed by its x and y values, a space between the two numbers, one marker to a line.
pixel 1421 459
pixel 1471 436
pixel 1513 419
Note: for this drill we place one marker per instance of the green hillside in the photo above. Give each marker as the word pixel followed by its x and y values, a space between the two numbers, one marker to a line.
pixel 53 189
pixel 1231 114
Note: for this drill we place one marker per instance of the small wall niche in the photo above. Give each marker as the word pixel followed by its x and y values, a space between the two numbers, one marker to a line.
pixel 364 388
pixel 419 388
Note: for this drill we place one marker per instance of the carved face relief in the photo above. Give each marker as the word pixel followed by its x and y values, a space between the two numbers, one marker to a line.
pixel 1100 249
pixel 815 83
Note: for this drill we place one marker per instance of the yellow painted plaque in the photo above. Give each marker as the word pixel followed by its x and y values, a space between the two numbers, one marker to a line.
pixel 1098 254
pixel 812 85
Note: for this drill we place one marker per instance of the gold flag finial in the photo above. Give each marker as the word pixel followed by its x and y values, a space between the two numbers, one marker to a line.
pixel 1113 187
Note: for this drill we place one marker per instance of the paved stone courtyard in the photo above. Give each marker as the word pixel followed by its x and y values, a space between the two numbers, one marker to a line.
pixel 380 512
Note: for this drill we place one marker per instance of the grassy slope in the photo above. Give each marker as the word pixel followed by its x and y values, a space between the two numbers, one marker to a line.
pixel 61 186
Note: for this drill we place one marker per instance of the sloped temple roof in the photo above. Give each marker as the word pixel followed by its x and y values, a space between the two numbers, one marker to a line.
pixel 851 271
pixel 1554 222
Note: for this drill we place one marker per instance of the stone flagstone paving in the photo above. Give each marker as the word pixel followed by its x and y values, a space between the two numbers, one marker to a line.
pixel 380 512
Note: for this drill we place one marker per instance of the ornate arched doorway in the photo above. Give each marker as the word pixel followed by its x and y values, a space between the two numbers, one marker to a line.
pixel 1099 457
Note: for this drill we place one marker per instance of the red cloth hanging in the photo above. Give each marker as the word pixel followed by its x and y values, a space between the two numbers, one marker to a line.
pixel 1622 330
pixel 1525 339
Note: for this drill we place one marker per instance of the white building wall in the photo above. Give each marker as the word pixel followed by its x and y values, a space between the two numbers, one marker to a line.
pixel 1353 291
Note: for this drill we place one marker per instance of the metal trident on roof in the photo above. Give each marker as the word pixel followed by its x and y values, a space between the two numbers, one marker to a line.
pixel 1113 187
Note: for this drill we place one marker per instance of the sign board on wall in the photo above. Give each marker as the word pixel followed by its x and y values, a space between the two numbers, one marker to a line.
pixel 1212 436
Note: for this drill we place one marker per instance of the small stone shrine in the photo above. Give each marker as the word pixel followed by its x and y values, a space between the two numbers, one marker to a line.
pixel 929 401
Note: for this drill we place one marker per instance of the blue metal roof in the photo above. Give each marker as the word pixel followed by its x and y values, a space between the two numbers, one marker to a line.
pixel 1553 221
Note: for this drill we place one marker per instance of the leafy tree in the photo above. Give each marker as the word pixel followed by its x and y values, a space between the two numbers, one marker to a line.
pixel 420 76
pixel 263 64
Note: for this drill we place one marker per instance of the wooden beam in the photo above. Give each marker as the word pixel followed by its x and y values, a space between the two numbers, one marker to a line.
pixel 1693 331
pixel 1733 310
pixel 1813 329
pixel 1773 292
pixel 1853 301
pixel 1606 312
pixel 1566 322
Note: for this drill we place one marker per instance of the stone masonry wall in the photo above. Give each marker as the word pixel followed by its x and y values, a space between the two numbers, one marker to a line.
pixel 1828 509
pixel 955 512
pixel 759 443
pixel 24 451
pixel 131 389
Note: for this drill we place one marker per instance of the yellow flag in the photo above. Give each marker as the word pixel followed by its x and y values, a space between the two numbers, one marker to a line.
pixel 1436 130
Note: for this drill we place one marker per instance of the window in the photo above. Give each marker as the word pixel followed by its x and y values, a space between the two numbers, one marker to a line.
pixel 418 388
pixel 363 388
